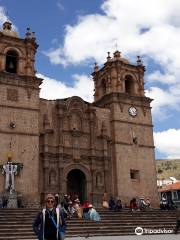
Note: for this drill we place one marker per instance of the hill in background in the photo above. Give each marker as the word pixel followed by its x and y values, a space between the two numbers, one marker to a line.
pixel 168 168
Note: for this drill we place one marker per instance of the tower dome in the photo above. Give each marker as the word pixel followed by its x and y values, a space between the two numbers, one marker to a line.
pixel 117 56
pixel 7 30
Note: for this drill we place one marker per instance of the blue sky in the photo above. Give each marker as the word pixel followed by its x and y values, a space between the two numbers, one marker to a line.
pixel 72 35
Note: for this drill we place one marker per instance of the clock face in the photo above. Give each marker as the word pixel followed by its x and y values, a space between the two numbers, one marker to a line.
pixel 132 111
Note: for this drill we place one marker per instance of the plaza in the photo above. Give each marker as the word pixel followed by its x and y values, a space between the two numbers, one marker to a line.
pixel 142 237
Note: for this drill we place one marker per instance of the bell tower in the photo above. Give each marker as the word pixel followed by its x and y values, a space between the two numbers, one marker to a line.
pixel 19 107
pixel 118 76
pixel 119 86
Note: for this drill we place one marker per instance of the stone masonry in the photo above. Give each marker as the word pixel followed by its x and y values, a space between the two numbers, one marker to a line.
pixel 70 145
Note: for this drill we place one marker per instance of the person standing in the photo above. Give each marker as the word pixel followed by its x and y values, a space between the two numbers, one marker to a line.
pixel 49 223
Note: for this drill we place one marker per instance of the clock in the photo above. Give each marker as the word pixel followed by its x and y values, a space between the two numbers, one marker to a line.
pixel 132 111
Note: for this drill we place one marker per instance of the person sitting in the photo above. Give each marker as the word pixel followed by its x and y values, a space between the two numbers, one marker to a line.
pixel 71 209
pixel 57 201
pixel 78 208
pixel 133 205
pixel 4 202
pixel 164 204
pixel 85 207
pixel 93 214
pixel 118 206
pixel 111 203
pixel 144 205
pixel 65 201
pixel 105 200
pixel 171 204
pixel 63 210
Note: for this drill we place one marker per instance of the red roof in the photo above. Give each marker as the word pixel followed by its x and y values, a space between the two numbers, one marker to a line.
pixel 170 187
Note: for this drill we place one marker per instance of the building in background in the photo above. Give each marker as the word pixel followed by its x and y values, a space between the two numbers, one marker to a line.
pixel 70 145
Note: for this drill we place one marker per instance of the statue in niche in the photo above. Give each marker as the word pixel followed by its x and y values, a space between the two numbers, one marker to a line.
pixel 52 178
pixel 98 179
pixel 75 122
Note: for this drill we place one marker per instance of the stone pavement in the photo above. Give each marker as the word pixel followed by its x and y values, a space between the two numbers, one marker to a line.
pixel 142 237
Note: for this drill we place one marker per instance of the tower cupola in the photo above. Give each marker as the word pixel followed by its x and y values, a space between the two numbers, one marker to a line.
pixel 7 30
pixel 17 55
pixel 118 75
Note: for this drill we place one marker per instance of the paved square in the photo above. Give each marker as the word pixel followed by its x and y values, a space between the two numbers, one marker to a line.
pixel 145 237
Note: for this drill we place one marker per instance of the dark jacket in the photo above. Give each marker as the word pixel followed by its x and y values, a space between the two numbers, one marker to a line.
pixel 47 228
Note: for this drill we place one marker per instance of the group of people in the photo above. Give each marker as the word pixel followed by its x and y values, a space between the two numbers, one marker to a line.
pixel 133 205
pixel 144 204
pixel 50 223
pixel 72 207
pixel 167 204
pixel 114 205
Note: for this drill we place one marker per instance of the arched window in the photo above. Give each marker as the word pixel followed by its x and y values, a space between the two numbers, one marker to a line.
pixel 11 61
pixel 129 84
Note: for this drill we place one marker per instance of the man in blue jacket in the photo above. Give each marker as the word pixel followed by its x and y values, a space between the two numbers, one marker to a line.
pixel 49 223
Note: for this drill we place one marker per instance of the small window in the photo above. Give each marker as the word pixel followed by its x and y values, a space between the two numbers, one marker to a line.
pixel 134 174
pixel 174 195
pixel 11 61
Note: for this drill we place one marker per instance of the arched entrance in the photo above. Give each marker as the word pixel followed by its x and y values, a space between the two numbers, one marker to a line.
pixel 76 184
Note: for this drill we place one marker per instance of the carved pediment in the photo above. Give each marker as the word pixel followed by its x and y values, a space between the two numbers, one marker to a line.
pixel 76 103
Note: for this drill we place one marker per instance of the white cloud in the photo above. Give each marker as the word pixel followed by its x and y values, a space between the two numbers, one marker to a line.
pixel 157 76
pixel 123 20
pixel 167 143
pixel 162 100
pixel 94 34
pixel 54 89
pixel 3 16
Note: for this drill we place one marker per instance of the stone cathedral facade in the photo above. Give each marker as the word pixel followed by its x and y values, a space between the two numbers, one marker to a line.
pixel 70 145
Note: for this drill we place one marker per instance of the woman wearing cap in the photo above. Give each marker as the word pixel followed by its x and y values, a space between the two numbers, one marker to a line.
pixel 49 223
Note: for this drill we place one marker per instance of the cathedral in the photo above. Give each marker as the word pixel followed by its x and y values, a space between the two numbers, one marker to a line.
pixel 69 145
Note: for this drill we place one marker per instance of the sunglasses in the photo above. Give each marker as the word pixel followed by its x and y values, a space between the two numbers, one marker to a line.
pixel 50 201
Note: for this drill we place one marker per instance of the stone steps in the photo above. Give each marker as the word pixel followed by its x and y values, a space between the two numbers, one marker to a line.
pixel 17 223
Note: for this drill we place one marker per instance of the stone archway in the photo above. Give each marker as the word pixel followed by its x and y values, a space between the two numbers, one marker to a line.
pixel 77 184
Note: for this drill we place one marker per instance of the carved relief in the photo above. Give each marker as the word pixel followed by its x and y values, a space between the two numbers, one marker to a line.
pixel 65 123
pixel 86 125
pixel 121 106
pixel 67 141
pixel 75 103
pixel 85 142
pixel 99 179
pixel 52 178
pixel 29 92
pixel 12 94
pixel 76 123
pixel 144 111
pixel 76 142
